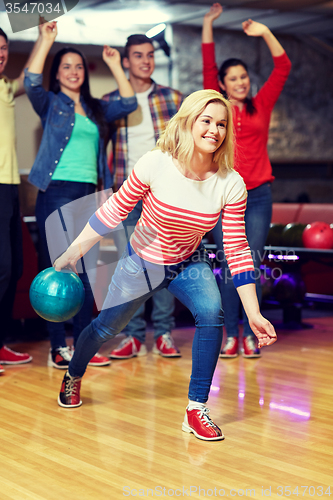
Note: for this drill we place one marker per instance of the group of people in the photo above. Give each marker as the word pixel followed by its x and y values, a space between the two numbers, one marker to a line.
pixel 180 169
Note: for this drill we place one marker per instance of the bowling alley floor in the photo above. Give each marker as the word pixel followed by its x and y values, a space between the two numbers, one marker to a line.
pixel 126 438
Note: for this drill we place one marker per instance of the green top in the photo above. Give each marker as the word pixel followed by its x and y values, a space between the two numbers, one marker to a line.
pixel 78 162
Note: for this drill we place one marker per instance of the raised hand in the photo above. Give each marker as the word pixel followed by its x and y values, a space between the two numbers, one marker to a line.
pixel 252 28
pixel 214 12
pixel 49 31
pixel 111 56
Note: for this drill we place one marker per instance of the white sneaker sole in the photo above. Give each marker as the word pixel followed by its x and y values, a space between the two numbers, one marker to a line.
pixel 141 352
pixel 67 406
pixel 23 362
pixel 157 351
pixel 103 363
pixel 188 429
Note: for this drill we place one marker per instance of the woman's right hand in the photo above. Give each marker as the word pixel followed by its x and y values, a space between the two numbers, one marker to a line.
pixel 214 12
pixel 49 31
pixel 67 259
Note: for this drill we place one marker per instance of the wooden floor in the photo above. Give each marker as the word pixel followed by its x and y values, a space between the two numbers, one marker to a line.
pixel 126 439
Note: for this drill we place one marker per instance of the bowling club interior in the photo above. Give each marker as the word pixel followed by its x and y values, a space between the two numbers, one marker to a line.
pixel 296 279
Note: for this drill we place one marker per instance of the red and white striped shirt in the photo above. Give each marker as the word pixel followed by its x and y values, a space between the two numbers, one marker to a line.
pixel 177 212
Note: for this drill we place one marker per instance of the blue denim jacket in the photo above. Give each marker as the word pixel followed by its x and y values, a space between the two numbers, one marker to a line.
pixel 57 114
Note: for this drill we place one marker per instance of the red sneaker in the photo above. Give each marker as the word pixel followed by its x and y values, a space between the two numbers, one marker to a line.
pixel 202 426
pixel 69 396
pixel 165 346
pixel 129 347
pixel 2 369
pixel 99 360
pixel 9 357
pixel 230 350
pixel 250 350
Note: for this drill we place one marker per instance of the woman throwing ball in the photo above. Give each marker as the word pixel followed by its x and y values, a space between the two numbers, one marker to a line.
pixel 184 183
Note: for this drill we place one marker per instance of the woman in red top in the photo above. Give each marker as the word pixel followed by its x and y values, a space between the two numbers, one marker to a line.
pixel 251 124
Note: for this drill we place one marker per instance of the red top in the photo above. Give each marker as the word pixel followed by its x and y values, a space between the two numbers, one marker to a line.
pixel 251 131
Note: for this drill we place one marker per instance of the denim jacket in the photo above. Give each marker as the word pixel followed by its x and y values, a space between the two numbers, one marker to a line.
pixel 57 114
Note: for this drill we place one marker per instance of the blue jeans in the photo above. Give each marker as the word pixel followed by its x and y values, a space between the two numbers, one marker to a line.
pixel 74 217
pixel 163 302
pixel 258 216
pixel 134 281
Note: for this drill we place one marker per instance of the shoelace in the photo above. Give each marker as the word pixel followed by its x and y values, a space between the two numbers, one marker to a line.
pixel 71 386
pixel 64 352
pixel 125 341
pixel 168 340
pixel 10 350
pixel 250 343
pixel 230 343
pixel 205 418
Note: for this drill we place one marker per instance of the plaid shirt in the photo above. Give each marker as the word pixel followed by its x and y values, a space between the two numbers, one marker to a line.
pixel 164 102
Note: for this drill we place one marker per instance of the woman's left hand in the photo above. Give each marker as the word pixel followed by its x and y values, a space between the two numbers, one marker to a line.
pixel 252 28
pixel 263 330
pixel 111 56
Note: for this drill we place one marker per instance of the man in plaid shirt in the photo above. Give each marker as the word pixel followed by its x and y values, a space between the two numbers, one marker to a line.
pixel 132 137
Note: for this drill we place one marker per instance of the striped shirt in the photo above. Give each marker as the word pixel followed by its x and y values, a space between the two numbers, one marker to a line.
pixel 164 102
pixel 177 212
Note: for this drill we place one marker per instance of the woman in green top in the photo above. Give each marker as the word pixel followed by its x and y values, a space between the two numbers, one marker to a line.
pixel 70 162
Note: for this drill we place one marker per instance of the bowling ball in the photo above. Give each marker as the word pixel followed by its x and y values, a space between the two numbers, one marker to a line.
pixel 274 237
pixel 318 235
pixel 292 235
pixel 289 288
pixel 56 296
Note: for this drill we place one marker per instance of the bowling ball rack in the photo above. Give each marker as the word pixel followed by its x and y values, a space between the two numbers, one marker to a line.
pixel 291 259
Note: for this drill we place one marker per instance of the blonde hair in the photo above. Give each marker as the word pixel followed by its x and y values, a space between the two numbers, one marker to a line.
pixel 177 138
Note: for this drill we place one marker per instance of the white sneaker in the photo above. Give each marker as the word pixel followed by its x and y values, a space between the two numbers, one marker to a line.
pixel 59 357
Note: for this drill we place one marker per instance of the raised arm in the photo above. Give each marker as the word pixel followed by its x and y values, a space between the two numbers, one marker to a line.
pixel 252 28
pixel 112 59
pixel 207 27
pixel 48 35
pixel 209 67
pixel 20 79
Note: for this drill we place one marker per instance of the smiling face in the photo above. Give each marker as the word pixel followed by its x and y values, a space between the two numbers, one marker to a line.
pixel 210 128
pixel 236 83
pixel 70 73
pixel 3 53
pixel 140 61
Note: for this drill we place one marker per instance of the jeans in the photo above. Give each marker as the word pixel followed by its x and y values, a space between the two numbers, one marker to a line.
pixel 134 281
pixel 54 241
pixel 11 253
pixel 258 216
pixel 163 302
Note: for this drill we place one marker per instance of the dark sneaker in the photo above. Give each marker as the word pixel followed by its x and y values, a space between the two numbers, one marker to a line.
pixel 250 350
pixel 230 350
pixel 9 357
pixel 201 425
pixel 59 358
pixel 165 346
pixel 69 396
pixel 129 347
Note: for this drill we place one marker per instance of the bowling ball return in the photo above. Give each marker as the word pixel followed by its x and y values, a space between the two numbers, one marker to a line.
pixel 56 296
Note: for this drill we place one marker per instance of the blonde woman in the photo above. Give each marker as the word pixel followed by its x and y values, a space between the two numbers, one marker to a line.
pixel 184 184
